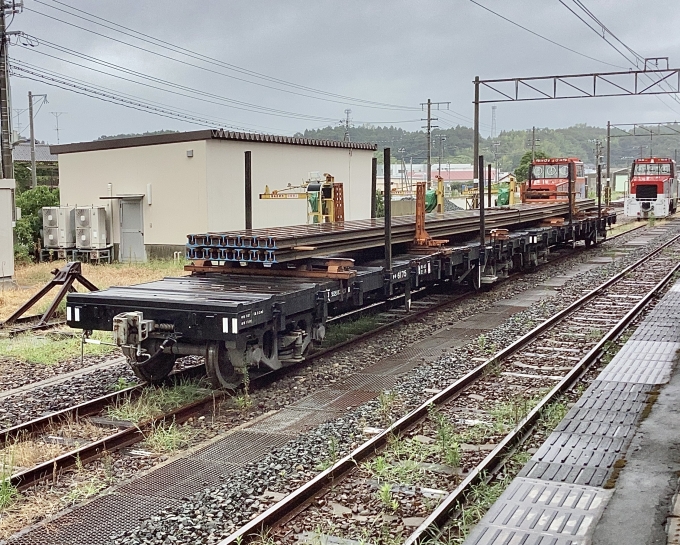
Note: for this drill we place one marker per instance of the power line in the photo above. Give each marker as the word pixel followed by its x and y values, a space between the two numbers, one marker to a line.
pixel 232 103
pixel 236 104
pixel 197 56
pixel 543 37
pixel 24 64
pixel 63 82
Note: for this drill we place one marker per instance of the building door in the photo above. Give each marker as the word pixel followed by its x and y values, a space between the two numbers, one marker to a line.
pixel 131 231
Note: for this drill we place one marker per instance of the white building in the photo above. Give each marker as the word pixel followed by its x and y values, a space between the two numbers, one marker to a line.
pixel 159 188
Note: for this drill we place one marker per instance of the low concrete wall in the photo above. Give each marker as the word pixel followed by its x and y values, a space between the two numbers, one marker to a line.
pixel 155 251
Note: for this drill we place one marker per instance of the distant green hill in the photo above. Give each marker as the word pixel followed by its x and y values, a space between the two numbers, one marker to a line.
pixel 576 141
pixel 129 135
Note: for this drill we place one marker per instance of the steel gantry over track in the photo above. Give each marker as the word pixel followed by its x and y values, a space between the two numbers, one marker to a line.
pixel 600 84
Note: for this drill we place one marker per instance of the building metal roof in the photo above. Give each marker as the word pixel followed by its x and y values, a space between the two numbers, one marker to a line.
pixel 208 134
pixel 22 152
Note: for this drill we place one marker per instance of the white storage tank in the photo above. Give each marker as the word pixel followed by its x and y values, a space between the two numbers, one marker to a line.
pixel 91 227
pixel 58 227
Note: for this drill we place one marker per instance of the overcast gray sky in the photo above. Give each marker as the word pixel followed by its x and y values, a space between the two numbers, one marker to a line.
pixel 396 53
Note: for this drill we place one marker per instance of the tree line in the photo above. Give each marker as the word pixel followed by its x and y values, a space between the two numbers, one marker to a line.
pixel 576 141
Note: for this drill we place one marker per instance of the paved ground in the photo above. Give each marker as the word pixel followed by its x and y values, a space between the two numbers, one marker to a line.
pixel 641 503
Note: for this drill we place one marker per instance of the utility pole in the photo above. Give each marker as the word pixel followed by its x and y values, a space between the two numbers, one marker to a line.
pixel 475 139
pixel 346 122
pixel 496 145
pixel 5 111
pixel 533 143
pixel 493 138
pixel 609 157
pixel 18 112
pixel 56 118
pixel 442 139
pixel 429 128
pixel 34 174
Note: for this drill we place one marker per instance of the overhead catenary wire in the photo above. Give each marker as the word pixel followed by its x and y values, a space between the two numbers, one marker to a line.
pixel 339 99
pixel 543 37
pixel 603 36
pixel 452 119
pixel 637 58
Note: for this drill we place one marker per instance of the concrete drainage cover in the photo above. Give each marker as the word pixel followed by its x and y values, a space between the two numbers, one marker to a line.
pixel 533 512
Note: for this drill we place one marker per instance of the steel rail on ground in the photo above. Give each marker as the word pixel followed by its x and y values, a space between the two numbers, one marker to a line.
pixel 295 501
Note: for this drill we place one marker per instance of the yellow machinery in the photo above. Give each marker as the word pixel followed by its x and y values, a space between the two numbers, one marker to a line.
pixel 325 199
pixel 472 195
pixel 440 195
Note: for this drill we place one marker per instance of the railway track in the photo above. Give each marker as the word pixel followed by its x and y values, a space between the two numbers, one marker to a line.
pixel 423 302
pixel 425 466
pixel 125 434
pixel 111 435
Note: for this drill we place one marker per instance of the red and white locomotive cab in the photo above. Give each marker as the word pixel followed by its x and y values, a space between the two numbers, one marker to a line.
pixel 653 188
pixel 552 176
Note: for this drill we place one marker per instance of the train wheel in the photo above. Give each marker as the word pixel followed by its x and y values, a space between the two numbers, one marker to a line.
pixel 218 367
pixel 155 369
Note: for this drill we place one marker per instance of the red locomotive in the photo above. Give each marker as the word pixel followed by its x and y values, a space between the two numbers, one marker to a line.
pixel 653 188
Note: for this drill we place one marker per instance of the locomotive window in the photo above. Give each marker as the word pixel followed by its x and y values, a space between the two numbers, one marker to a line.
pixel 550 171
pixel 579 171
pixel 538 172
pixel 564 171
pixel 648 169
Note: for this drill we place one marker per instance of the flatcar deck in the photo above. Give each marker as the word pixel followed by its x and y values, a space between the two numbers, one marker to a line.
pixel 251 315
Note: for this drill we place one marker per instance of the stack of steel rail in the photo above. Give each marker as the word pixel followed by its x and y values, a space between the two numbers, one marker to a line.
pixel 281 244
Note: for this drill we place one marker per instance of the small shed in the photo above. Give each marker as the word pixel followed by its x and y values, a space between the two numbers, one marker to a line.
pixel 46 165
pixel 159 188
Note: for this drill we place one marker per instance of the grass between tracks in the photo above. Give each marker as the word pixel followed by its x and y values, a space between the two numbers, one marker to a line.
pixel 341 332
pixel 52 347
pixel 168 438
pixel 156 401
pixel 30 278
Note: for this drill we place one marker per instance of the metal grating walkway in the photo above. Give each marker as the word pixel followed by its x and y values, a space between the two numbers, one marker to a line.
pixel 166 486
pixel 559 495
